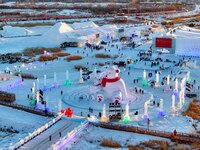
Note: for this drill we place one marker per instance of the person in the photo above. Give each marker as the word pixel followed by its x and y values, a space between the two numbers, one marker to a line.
pixel 81 113
pixel 50 138
pixel 136 113
pixel 60 134
pixel 100 114
pixel 175 132
pixel 61 92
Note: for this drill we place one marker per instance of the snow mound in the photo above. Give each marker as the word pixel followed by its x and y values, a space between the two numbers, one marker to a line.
pixel 57 33
pixel 9 31
pixel 59 28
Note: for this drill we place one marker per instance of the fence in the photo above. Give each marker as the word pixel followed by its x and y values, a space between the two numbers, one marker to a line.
pixel 28 109
pixel 35 133
pixel 180 137
pixel 70 137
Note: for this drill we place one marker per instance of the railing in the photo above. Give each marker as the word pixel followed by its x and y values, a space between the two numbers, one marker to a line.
pixel 67 140
pixel 28 109
pixel 180 136
pixel 35 133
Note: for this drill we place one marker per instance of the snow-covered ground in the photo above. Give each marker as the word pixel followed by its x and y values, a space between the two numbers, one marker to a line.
pixel 21 121
pixel 71 94
pixel 10 32
pixel 93 139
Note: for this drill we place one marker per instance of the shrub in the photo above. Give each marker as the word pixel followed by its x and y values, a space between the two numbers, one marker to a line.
pixel 132 147
pixel 39 50
pixel 167 25
pixel 181 147
pixel 73 57
pixel 154 26
pixel 26 75
pixel 156 144
pixel 35 51
pixel 102 56
pixel 101 64
pixel 54 50
pixel 7 97
pixel 29 54
pixel 109 143
pixel 196 145
pixel 193 110
pixel 61 54
pixel 163 145
pixel 17 54
pixel 47 58
pixel 163 23
pixel 178 20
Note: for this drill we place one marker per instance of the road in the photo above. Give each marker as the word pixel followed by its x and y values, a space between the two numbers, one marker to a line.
pixel 42 141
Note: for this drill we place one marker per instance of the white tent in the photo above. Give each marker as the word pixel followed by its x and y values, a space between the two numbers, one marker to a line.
pixel 83 25
pixel 78 32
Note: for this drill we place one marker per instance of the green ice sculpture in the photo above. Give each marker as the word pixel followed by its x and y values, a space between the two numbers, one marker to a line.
pixel 33 102
pixel 67 82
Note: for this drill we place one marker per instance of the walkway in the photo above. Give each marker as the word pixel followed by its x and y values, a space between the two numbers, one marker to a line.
pixel 42 141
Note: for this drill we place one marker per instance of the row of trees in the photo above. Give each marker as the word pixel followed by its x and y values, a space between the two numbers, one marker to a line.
pixel 67 1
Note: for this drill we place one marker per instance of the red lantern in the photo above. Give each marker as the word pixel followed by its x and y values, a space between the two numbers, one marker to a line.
pixel 62 111
pixel 69 112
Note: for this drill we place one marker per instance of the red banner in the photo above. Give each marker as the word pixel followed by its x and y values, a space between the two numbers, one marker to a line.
pixel 164 42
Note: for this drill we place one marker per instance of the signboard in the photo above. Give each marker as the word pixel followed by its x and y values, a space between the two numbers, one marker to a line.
pixel 163 42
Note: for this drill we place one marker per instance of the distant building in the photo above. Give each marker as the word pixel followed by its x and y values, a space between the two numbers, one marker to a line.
pixel 120 17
